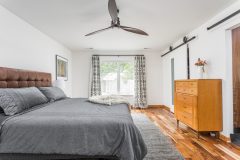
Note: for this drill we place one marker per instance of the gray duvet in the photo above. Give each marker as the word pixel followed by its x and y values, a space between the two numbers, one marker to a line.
pixel 74 126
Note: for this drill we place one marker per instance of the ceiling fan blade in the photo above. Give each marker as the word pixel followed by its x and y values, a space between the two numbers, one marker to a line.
pixel 98 31
pixel 113 10
pixel 133 30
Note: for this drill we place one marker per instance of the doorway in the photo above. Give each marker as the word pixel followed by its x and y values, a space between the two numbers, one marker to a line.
pixel 172 79
pixel 236 85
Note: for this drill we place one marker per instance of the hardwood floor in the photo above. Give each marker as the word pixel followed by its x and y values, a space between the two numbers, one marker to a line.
pixel 186 141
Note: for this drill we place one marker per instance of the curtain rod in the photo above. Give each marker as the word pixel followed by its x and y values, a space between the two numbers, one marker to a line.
pixel 179 46
pixel 117 55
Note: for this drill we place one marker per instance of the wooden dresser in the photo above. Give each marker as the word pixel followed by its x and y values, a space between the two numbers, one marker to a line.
pixel 198 104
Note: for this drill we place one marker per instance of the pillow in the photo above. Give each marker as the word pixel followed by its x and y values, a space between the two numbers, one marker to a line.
pixel 53 93
pixel 14 101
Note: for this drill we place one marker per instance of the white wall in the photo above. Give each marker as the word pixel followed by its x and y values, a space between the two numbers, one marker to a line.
pixel 24 47
pixel 215 47
pixel 81 70
pixel 180 70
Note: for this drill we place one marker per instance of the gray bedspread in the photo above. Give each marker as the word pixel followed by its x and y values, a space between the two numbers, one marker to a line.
pixel 74 126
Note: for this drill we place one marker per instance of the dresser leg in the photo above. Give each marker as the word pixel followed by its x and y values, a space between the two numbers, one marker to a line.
pixel 217 135
pixel 177 123
pixel 198 135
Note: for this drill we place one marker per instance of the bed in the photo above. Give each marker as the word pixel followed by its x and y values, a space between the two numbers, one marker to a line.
pixel 71 128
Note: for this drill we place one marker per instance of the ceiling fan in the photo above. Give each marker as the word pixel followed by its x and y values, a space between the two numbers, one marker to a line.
pixel 115 23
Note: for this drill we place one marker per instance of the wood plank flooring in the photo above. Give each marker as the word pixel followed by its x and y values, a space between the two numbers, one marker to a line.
pixel 186 141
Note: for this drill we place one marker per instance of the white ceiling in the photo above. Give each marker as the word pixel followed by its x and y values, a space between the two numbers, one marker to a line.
pixel 67 21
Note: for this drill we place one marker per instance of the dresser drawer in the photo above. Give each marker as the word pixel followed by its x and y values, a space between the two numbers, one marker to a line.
pixel 185 99
pixel 187 87
pixel 186 118
pixel 192 84
pixel 192 91
pixel 181 86
pixel 185 108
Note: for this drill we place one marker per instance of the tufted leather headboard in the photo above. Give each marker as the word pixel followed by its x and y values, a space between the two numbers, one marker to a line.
pixel 16 78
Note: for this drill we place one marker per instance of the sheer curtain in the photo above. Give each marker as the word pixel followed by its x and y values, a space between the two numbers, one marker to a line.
pixel 95 88
pixel 140 82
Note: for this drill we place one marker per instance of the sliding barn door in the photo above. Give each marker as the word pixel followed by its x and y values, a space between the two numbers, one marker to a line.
pixel 236 79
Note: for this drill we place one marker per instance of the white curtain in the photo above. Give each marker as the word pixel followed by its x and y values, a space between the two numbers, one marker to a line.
pixel 95 88
pixel 140 82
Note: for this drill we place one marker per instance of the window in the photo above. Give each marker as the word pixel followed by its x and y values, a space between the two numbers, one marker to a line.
pixel 117 77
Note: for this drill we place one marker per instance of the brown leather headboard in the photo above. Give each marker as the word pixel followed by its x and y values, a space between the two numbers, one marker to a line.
pixel 16 78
